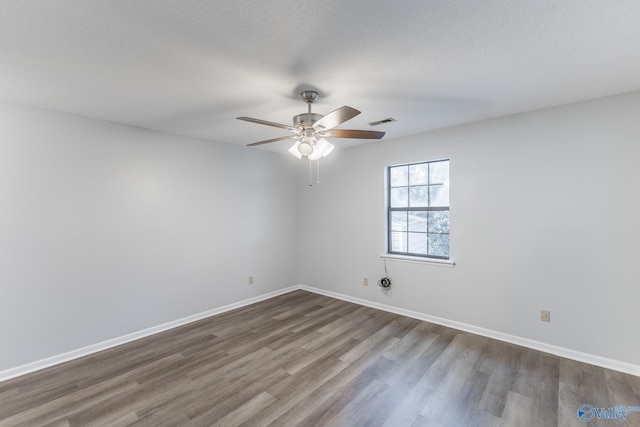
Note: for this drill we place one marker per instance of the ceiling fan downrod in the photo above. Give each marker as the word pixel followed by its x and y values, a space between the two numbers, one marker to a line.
pixel 306 120
pixel 309 96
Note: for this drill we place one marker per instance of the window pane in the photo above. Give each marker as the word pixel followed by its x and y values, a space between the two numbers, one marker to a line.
pixel 438 195
pixel 413 228
pixel 418 221
pixel 439 221
pixel 399 176
pixel 419 174
pixel 418 243
pixel 419 196
pixel 399 197
pixel 439 173
pixel 398 242
pixel 439 245
pixel 399 221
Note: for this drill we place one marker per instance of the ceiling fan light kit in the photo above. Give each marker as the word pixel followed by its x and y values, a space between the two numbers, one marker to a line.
pixel 322 149
pixel 310 130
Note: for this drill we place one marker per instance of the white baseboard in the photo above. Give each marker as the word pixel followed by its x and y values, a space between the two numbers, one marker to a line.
pixel 536 345
pixel 591 359
pixel 94 348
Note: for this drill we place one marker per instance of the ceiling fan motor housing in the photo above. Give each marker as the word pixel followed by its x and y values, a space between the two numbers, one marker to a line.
pixel 305 120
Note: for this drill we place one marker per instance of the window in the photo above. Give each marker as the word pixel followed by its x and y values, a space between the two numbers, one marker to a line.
pixel 418 209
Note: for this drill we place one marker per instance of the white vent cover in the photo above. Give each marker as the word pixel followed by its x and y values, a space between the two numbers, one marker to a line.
pixel 383 121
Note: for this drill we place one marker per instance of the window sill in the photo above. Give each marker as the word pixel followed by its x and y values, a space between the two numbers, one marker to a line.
pixel 419 260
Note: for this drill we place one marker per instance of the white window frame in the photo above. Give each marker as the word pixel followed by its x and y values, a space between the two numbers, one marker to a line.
pixel 408 256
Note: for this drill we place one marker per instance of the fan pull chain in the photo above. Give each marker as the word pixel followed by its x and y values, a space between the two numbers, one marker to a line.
pixel 318 169
pixel 310 173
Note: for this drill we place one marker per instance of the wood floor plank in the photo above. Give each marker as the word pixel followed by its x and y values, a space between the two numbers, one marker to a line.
pixel 338 393
pixel 501 363
pixel 408 409
pixel 297 387
pixel 327 394
pixel 247 410
pixel 450 391
pixel 61 408
pixel 251 396
pixel 355 408
pixel 381 405
pixel 306 359
pixel 570 398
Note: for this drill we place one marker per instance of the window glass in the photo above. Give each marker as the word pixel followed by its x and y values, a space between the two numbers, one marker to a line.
pixel 418 210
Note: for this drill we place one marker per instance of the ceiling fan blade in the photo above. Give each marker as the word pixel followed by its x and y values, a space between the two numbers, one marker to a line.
pixel 264 122
pixel 335 118
pixel 282 138
pixel 362 134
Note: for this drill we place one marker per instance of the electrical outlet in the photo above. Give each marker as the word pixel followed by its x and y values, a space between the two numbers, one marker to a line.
pixel 251 280
pixel 365 281
pixel 545 315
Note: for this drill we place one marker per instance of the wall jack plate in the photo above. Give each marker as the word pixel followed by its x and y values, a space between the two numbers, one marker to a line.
pixel 545 315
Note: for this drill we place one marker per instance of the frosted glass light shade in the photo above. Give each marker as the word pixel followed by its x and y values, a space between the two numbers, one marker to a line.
pixel 326 147
pixel 305 148
pixel 294 150
pixel 322 149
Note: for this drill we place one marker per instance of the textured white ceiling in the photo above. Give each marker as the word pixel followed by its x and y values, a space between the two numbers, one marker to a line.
pixel 190 67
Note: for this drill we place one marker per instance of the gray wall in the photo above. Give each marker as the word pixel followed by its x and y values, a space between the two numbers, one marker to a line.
pixel 545 210
pixel 106 230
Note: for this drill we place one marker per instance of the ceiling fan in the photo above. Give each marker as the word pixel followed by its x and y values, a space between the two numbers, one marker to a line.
pixel 310 129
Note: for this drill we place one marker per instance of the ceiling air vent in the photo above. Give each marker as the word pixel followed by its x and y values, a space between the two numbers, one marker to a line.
pixel 383 121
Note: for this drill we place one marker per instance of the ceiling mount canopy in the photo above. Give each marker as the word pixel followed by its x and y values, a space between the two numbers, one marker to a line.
pixel 309 96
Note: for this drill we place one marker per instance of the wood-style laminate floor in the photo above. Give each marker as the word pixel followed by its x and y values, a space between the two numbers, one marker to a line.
pixel 306 359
